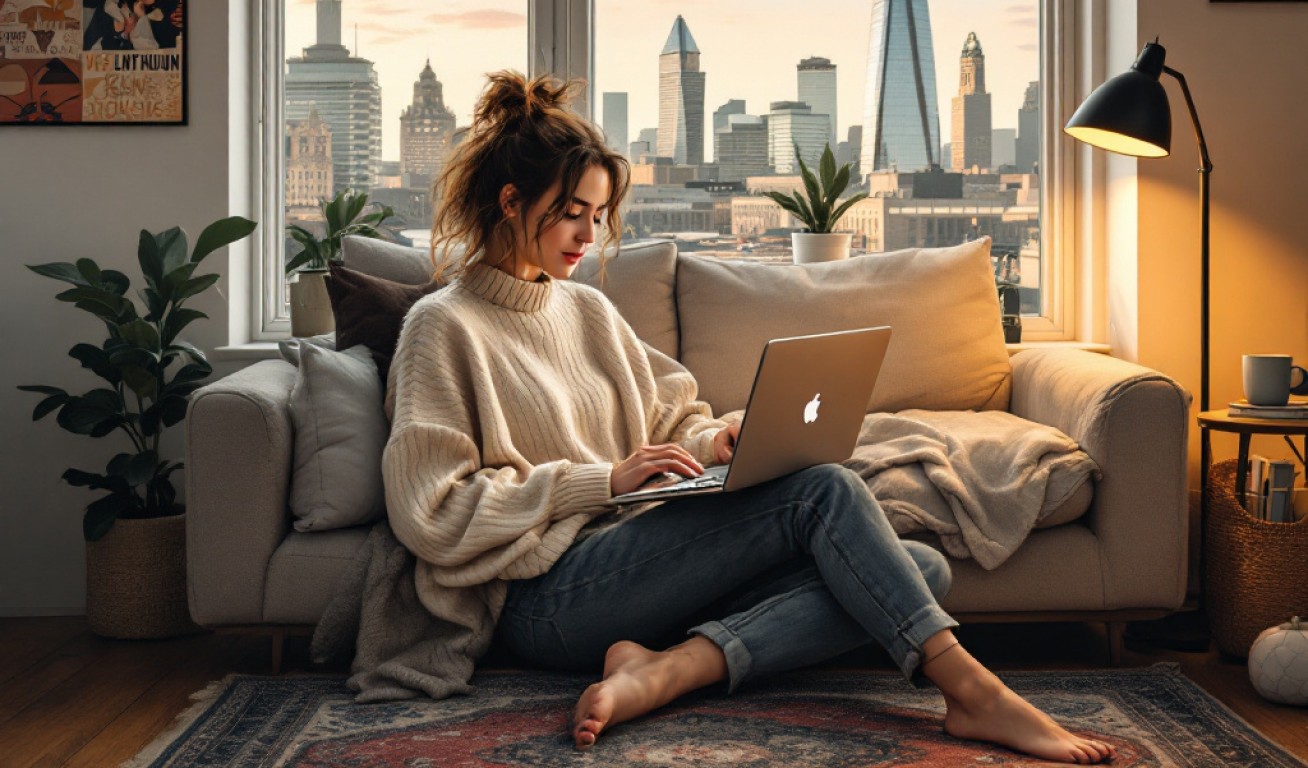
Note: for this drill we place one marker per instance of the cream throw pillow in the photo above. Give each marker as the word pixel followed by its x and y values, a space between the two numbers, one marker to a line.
pixel 946 351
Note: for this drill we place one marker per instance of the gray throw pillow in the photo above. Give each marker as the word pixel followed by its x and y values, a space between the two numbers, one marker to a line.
pixel 340 432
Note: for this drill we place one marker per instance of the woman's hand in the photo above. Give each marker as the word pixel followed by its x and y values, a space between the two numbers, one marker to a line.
pixel 634 471
pixel 724 443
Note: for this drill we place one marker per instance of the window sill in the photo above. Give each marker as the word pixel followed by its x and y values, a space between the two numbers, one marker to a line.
pixel 1088 346
pixel 252 350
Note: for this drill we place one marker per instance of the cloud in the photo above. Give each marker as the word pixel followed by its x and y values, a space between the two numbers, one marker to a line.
pixel 1029 21
pixel 484 19
pixel 1028 47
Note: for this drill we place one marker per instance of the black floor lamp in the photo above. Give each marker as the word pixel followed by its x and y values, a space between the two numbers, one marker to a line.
pixel 1130 115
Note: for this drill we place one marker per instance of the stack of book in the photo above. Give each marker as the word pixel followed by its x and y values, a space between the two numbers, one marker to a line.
pixel 1295 409
pixel 1269 490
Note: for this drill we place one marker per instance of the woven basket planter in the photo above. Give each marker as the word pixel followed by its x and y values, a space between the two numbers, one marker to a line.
pixel 1255 574
pixel 136 580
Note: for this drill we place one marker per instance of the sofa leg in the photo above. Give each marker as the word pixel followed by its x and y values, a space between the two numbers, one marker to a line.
pixel 1115 631
pixel 278 644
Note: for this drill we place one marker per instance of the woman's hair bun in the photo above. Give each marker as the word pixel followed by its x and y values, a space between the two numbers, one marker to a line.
pixel 509 96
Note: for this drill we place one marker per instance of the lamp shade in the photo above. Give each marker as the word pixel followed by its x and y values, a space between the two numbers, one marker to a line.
pixel 1128 114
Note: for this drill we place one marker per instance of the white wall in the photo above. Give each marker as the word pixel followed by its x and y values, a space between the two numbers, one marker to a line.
pixel 80 192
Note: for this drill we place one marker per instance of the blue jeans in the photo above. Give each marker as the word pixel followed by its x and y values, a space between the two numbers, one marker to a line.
pixel 780 576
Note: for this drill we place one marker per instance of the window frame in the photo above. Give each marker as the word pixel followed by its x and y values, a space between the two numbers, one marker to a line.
pixel 561 39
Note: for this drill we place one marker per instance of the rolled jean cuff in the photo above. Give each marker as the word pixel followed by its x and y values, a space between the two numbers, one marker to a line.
pixel 907 649
pixel 739 662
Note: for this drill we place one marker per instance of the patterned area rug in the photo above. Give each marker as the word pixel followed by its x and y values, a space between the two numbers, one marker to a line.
pixel 816 719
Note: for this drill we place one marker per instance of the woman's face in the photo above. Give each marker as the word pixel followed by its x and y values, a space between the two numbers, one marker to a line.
pixel 561 245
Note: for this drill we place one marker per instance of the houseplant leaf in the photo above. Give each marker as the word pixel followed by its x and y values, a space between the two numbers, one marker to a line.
pixel 149 259
pixel 221 233
pixel 101 514
pixel 69 273
pixel 171 244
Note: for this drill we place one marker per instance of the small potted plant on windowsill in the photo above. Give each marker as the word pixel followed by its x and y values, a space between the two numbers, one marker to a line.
pixel 818 211
pixel 311 309
pixel 136 533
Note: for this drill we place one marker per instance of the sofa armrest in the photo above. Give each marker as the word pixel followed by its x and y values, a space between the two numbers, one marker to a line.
pixel 238 468
pixel 1134 422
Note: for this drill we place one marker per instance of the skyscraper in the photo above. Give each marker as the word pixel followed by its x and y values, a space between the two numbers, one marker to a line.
pixel 1028 130
pixel 615 120
pixel 970 123
pixel 426 131
pixel 817 88
pixel 681 98
pixel 791 124
pixel 901 122
pixel 345 91
pixel 721 116
pixel 741 148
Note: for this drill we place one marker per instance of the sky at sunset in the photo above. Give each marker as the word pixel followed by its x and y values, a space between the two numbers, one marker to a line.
pixel 749 49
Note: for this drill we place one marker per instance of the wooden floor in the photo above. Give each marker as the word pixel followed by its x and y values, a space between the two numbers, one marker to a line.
pixel 68 698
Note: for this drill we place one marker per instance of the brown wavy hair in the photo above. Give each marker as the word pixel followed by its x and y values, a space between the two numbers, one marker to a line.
pixel 523 133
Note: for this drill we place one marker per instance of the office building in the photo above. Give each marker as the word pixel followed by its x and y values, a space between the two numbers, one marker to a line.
pixel 426 132
pixel 901 122
pixel 347 96
pixel 1003 147
pixel 1028 130
pixel 792 124
pixel 817 88
pixel 308 162
pixel 970 124
pixel 741 148
pixel 681 98
pixel 615 120
pixel 720 115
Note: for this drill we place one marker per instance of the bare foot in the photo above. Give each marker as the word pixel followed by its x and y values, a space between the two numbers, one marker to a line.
pixel 982 708
pixel 638 680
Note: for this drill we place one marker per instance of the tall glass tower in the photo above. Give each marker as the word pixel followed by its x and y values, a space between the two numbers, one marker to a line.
pixel 681 98
pixel 347 96
pixel 901 120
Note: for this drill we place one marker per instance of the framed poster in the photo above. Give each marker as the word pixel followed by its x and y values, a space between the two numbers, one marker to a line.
pixel 92 62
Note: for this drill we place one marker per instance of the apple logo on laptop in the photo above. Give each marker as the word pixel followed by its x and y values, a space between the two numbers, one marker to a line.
pixel 810 409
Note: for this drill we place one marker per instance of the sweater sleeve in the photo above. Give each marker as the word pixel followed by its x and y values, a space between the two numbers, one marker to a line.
pixel 444 504
pixel 673 414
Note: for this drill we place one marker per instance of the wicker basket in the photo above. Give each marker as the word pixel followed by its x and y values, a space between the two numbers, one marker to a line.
pixel 136 580
pixel 1255 570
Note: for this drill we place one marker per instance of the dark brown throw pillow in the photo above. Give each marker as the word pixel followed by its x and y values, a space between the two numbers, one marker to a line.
pixel 370 311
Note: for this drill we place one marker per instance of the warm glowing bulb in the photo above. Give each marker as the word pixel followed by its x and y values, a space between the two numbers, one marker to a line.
pixel 1116 142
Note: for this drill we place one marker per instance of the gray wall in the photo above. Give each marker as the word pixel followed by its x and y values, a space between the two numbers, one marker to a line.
pixel 80 192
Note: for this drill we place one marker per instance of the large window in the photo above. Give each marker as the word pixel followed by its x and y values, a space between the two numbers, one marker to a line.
pixel 943 106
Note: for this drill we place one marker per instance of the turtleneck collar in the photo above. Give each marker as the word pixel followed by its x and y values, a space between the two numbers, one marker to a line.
pixel 505 290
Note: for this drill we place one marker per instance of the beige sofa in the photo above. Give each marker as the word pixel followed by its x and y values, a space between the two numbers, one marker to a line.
pixel 1122 559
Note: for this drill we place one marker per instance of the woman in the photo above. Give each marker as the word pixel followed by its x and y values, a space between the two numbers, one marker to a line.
pixel 522 402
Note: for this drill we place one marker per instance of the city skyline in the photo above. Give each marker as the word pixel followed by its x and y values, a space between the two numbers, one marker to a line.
pixel 399 35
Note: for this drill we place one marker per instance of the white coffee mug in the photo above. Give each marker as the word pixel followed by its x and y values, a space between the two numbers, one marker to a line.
pixel 1269 379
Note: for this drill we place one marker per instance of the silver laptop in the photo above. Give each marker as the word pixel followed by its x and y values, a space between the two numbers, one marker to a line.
pixel 806 407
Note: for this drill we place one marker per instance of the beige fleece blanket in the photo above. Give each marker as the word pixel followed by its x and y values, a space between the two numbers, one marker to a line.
pixel 978 480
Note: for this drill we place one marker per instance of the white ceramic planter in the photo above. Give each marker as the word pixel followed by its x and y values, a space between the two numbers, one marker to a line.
pixel 311 307
pixel 810 247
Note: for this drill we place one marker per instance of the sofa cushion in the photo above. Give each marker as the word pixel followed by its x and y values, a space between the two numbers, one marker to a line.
pixel 389 261
pixel 304 572
pixel 340 432
pixel 641 283
pixel 370 311
pixel 946 353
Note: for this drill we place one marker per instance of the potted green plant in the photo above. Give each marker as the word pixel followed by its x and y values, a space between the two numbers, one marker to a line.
pixel 345 214
pixel 818 211
pixel 135 532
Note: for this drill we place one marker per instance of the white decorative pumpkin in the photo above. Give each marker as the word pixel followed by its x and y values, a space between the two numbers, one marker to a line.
pixel 1278 663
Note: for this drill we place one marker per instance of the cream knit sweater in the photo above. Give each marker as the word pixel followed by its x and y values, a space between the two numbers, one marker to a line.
pixel 510 401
